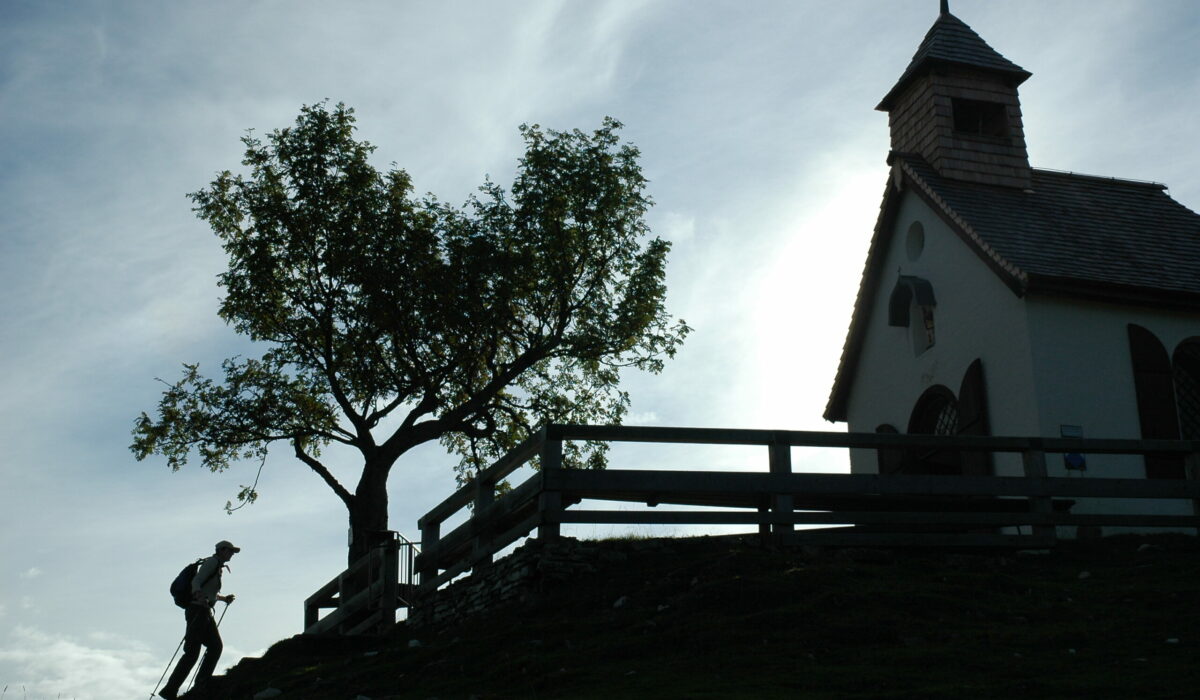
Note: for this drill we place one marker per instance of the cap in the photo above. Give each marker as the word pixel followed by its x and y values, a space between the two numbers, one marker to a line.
pixel 226 544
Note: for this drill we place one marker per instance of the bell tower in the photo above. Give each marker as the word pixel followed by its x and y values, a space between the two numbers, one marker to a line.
pixel 956 105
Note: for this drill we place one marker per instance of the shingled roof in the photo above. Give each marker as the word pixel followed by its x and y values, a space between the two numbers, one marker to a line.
pixel 951 41
pixel 1107 235
pixel 1069 234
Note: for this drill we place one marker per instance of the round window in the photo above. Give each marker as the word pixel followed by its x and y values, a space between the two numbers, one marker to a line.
pixel 914 243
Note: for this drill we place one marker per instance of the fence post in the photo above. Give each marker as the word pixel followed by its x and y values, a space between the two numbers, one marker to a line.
pixel 1034 458
pixel 430 534
pixel 391 578
pixel 311 614
pixel 782 503
pixel 550 502
pixel 485 492
pixel 764 527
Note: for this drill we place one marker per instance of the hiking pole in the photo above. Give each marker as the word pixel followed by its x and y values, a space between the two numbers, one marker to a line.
pixel 196 670
pixel 222 617
pixel 168 668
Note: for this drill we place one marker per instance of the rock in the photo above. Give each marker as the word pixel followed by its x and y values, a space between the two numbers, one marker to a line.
pixel 268 693
pixel 621 602
pixel 415 644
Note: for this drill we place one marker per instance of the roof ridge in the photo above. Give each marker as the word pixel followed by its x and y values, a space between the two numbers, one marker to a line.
pixel 1101 178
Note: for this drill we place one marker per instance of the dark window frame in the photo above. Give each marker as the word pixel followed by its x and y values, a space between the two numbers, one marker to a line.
pixel 980 118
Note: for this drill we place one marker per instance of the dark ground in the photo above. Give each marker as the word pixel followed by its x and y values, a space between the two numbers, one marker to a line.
pixel 726 618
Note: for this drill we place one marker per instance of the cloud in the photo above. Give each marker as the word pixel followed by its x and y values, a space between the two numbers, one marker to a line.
pixel 99 667
pixel 32 573
pixel 641 418
pixel 677 227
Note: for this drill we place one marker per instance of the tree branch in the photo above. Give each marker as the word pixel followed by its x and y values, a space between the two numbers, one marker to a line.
pixel 323 472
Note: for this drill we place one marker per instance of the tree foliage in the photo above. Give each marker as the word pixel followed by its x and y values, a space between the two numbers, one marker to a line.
pixel 388 321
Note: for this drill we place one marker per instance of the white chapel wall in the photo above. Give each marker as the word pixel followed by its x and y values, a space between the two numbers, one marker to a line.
pixel 1083 369
pixel 976 316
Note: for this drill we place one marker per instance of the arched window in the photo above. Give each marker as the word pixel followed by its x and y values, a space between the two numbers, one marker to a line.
pixel 1154 387
pixel 1185 370
pixel 911 306
pixel 936 413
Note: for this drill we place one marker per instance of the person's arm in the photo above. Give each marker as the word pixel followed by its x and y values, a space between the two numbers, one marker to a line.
pixel 205 573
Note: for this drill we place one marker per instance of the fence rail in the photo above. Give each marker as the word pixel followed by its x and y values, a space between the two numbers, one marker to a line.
pixel 883 510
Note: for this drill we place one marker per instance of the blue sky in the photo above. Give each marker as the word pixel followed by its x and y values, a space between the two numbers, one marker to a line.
pixel 765 156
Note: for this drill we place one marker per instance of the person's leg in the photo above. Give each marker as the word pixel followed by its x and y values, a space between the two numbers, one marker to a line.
pixel 192 639
pixel 212 651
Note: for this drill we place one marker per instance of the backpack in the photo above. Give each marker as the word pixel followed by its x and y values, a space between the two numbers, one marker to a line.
pixel 181 587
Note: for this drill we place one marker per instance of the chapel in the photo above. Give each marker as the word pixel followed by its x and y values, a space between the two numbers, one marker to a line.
pixel 1000 298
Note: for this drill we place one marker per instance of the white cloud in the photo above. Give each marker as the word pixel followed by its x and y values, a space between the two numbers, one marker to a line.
pixel 99 667
pixel 641 418
pixel 32 573
pixel 677 227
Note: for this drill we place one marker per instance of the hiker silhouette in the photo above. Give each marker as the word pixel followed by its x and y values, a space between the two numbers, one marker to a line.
pixel 201 629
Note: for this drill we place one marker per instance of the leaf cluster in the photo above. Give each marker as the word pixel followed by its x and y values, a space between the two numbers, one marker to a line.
pixel 389 320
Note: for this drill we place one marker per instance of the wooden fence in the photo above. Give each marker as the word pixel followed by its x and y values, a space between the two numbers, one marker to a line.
pixel 364 598
pixel 883 510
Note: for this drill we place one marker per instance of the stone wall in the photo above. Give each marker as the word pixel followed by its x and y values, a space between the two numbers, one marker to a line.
pixel 517 578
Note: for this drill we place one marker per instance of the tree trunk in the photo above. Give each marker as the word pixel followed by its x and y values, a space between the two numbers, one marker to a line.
pixel 369 512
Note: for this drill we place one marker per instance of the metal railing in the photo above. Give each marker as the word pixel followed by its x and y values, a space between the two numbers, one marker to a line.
pixel 883 510
pixel 364 598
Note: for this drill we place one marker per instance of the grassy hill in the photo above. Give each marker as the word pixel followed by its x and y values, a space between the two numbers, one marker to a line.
pixel 718 617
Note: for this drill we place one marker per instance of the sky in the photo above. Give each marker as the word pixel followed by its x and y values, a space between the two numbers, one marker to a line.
pixel 758 134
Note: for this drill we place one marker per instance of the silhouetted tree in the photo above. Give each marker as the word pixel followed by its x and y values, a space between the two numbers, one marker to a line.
pixel 388 321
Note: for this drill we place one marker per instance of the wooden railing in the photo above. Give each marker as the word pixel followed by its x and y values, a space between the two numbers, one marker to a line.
pixel 884 510
pixel 364 598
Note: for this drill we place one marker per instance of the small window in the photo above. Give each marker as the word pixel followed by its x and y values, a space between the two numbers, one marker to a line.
pixel 980 118
pixel 911 306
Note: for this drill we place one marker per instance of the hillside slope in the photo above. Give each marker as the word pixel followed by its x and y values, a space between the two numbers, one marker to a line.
pixel 727 618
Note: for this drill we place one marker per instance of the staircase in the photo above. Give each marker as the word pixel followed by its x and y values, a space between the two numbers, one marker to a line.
pixel 364 598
